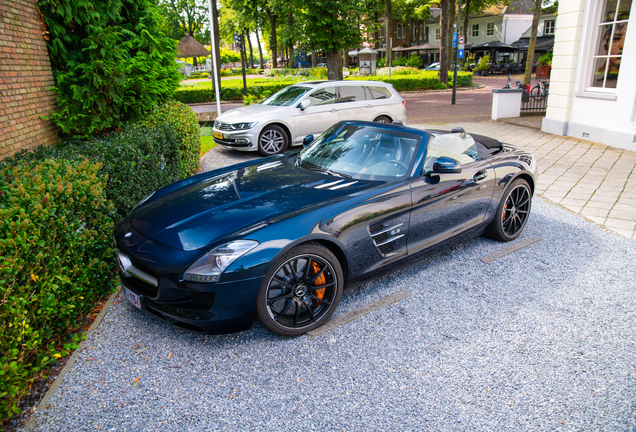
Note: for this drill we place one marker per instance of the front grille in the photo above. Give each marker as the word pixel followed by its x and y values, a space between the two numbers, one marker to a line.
pixel 204 299
pixel 222 126
pixel 142 287
pixel 144 267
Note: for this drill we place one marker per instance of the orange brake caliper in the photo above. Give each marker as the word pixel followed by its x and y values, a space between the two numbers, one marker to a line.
pixel 320 293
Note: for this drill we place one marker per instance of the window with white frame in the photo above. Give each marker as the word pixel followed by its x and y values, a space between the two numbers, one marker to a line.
pixel 400 31
pixel 475 31
pixel 548 27
pixel 437 34
pixel 490 29
pixel 612 30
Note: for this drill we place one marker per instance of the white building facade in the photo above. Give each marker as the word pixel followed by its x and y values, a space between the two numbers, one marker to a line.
pixel 593 79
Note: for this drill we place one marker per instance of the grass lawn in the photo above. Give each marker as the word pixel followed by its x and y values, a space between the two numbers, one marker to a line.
pixel 207 140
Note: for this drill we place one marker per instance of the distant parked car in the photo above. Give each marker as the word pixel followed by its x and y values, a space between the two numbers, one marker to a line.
pixel 306 108
pixel 433 66
pixel 321 65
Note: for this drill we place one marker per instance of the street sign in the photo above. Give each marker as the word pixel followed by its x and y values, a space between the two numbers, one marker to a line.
pixel 460 53
pixel 460 46
pixel 455 40
pixel 461 40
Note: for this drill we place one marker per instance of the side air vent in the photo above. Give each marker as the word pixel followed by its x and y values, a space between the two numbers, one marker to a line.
pixel 383 237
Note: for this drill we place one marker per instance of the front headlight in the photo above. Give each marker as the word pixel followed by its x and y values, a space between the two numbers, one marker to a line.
pixel 210 266
pixel 246 125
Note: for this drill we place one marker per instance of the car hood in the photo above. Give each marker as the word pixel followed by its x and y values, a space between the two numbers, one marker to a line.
pixel 248 113
pixel 209 210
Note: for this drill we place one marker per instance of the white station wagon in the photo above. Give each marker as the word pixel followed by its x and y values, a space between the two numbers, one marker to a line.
pixel 306 108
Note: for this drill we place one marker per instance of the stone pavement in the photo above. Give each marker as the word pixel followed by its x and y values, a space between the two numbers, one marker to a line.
pixel 591 179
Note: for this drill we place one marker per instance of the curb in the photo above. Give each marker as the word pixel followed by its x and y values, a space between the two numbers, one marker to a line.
pixel 71 361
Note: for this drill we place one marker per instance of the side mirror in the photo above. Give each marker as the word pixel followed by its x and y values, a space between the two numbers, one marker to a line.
pixel 308 140
pixel 304 104
pixel 445 165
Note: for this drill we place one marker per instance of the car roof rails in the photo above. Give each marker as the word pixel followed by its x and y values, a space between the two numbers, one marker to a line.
pixel 397 123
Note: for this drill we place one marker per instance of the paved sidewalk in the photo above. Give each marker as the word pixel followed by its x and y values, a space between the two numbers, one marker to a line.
pixel 591 179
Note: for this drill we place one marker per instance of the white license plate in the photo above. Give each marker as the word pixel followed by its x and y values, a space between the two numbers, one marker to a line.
pixel 132 298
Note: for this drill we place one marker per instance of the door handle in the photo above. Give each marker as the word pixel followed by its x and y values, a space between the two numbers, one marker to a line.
pixel 369 106
pixel 333 110
pixel 480 175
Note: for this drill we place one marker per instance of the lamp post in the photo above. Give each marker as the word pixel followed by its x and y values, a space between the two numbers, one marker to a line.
pixel 459 16
pixel 214 69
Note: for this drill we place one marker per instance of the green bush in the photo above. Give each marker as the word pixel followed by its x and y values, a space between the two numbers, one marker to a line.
pixel 381 63
pixel 186 125
pixel 424 80
pixel 138 160
pixel 232 90
pixel 400 61
pixel 414 61
pixel 56 261
pixel 111 62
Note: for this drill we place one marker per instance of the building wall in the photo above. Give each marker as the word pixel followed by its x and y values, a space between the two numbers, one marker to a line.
pixel 574 107
pixel 25 79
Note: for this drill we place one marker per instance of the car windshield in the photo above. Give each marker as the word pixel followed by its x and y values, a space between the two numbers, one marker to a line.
pixel 287 96
pixel 361 152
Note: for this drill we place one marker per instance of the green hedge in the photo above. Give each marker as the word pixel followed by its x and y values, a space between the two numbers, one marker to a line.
pixel 233 90
pixel 56 261
pixel 185 123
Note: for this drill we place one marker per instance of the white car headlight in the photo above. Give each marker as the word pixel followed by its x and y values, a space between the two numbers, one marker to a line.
pixel 210 266
pixel 246 125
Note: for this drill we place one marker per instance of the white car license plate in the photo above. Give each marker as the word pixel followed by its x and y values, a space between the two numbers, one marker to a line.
pixel 132 298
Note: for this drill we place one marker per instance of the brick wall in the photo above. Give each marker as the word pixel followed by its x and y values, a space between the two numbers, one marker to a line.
pixel 25 79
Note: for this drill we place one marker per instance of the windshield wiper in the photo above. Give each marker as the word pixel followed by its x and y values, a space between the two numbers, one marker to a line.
pixel 333 173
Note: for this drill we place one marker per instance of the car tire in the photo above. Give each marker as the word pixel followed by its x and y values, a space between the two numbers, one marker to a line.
pixel 382 119
pixel 291 301
pixel 273 140
pixel 512 213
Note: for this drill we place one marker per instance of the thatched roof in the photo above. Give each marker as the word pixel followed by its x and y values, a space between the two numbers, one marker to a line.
pixel 189 47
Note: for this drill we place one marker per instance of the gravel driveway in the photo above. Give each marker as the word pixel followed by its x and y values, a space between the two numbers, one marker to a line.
pixel 542 339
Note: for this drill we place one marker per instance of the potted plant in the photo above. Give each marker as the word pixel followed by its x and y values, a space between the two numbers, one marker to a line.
pixel 483 66
pixel 544 65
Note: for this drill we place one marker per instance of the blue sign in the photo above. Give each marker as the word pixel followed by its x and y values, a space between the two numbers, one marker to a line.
pixel 455 40
pixel 460 53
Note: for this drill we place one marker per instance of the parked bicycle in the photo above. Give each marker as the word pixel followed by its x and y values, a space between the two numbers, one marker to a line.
pixel 541 90
pixel 526 89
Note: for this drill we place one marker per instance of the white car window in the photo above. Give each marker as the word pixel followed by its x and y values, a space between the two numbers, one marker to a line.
pixel 352 94
pixel 323 96
pixel 379 92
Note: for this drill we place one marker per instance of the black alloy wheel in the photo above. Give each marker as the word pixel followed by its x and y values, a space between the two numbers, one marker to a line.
pixel 301 291
pixel 382 119
pixel 272 141
pixel 512 213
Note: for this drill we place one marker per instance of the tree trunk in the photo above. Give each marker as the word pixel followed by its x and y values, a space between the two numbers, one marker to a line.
pixel 290 21
pixel 217 44
pixel 388 26
pixel 249 43
pixel 260 48
pixel 466 14
pixel 452 19
pixel 333 65
pixel 273 42
pixel 314 58
pixel 409 30
pixel 443 49
pixel 533 41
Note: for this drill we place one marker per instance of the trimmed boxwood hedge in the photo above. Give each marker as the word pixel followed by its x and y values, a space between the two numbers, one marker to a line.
pixel 56 262
pixel 233 89
pixel 138 160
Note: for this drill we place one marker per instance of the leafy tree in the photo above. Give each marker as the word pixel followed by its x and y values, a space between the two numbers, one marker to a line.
pixel 332 25
pixel 186 17
pixel 110 61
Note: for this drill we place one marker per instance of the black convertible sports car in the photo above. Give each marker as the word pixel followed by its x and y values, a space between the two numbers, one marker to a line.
pixel 281 237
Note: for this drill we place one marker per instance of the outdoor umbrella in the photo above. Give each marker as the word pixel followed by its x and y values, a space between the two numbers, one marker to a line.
pixel 189 47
